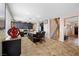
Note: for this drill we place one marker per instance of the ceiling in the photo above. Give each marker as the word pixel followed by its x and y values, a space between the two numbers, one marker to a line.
pixel 24 11
pixel 72 20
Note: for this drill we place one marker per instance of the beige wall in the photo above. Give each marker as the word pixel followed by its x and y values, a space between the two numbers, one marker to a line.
pixel 53 26
pixel 1 23
pixel 2 37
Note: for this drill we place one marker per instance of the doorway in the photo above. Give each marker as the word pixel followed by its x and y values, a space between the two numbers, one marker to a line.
pixel 71 30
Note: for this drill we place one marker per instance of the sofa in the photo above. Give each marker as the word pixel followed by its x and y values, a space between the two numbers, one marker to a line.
pixel 38 37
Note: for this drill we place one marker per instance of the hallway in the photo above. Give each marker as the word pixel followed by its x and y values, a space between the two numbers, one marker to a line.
pixel 49 48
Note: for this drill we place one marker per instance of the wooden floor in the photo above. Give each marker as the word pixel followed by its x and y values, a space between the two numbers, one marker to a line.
pixel 48 48
pixel 72 40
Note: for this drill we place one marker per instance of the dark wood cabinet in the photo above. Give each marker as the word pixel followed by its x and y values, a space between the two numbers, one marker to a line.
pixel 11 47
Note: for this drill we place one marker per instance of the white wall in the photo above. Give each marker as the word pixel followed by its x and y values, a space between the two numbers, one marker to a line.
pixel 78 30
pixel 61 30
pixel 46 28
pixel 38 26
pixel 8 23
pixel 2 10
pixel 49 34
